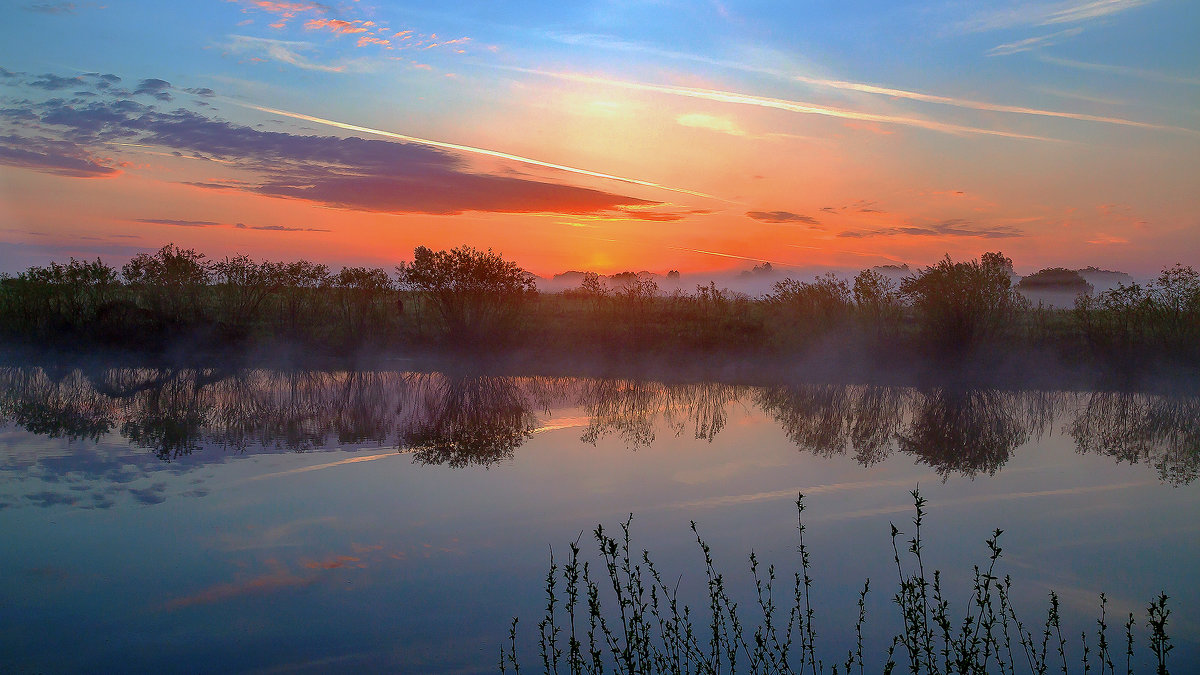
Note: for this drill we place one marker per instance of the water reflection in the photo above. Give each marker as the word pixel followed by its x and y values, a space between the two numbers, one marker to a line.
pixel 1163 431
pixel 465 420
pixel 973 431
pixel 473 420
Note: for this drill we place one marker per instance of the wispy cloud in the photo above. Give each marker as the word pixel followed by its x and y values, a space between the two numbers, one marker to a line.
pixel 287 51
pixel 336 26
pixel 352 173
pixel 722 125
pixel 719 254
pixel 58 157
pixel 277 579
pixel 471 149
pixel 286 11
pixel 237 226
pixel 893 92
pixel 179 223
pixel 55 7
pixel 52 82
pixel 1103 239
pixel 277 228
pixel 1073 12
pixel 1120 70
pixel 651 214
pixel 155 87
pixel 1029 44
pixel 782 217
pixel 1047 14
pixel 956 227
pixel 984 105
pixel 802 107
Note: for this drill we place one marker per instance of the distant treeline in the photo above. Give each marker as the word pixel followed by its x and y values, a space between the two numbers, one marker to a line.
pixel 465 297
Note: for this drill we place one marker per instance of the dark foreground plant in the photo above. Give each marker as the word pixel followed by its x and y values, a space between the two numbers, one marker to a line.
pixel 647 629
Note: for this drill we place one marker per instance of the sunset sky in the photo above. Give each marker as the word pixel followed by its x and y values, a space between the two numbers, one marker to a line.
pixel 605 135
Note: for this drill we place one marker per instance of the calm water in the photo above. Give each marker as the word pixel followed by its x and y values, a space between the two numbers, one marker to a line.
pixel 267 521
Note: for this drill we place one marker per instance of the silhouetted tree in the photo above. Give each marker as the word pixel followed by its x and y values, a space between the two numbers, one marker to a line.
pixel 1056 278
pixel 360 294
pixel 242 286
pixel 878 301
pixel 299 285
pixel 962 304
pixel 170 283
pixel 476 293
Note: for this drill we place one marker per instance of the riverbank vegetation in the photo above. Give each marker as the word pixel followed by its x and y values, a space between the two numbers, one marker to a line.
pixel 621 613
pixel 465 298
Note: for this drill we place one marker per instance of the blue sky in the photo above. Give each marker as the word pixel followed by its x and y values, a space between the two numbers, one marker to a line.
pixel 1068 132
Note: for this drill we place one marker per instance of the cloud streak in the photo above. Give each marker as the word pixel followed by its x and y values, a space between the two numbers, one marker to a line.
pixel 956 227
pixel 781 104
pixel 1029 44
pixel 473 150
pixel 61 158
pixel 892 92
pixel 1040 14
pixel 1120 70
pixel 237 226
pixel 352 173
pixel 983 105
pixel 782 217
pixel 286 51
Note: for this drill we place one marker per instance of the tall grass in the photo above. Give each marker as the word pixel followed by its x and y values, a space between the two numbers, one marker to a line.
pixel 620 613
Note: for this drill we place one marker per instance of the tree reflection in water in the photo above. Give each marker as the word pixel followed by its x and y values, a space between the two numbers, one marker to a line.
pixel 465 420
pixel 969 431
pixel 955 431
pixel 633 409
pixel 627 408
pixel 61 407
pixel 1130 427
pixel 475 420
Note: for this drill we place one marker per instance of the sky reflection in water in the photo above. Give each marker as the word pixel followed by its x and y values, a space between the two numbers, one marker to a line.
pixel 169 520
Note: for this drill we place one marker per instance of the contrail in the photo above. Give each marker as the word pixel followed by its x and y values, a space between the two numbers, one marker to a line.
pixel 327 465
pixel 865 88
pixel 472 149
pixel 983 105
pixel 781 104
pixel 1120 70
pixel 731 255
pixel 690 250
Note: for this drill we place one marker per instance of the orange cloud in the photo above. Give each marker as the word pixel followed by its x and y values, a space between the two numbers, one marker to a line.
pixel 368 40
pixel 1102 239
pixel 335 25
pixel 285 10
pixel 278 578
pixel 332 563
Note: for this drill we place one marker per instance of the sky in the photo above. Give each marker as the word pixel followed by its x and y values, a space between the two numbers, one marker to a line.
pixel 604 135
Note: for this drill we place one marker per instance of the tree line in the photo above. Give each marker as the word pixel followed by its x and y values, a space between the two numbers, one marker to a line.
pixel 467 297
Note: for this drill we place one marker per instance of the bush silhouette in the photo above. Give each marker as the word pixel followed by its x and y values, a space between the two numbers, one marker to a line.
pixel 475 293
pixel 960 305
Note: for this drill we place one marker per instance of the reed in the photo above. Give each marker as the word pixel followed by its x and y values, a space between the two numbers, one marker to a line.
pixel 633 620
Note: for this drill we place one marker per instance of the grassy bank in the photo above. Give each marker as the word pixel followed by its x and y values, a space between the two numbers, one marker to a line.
pixel 470 300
